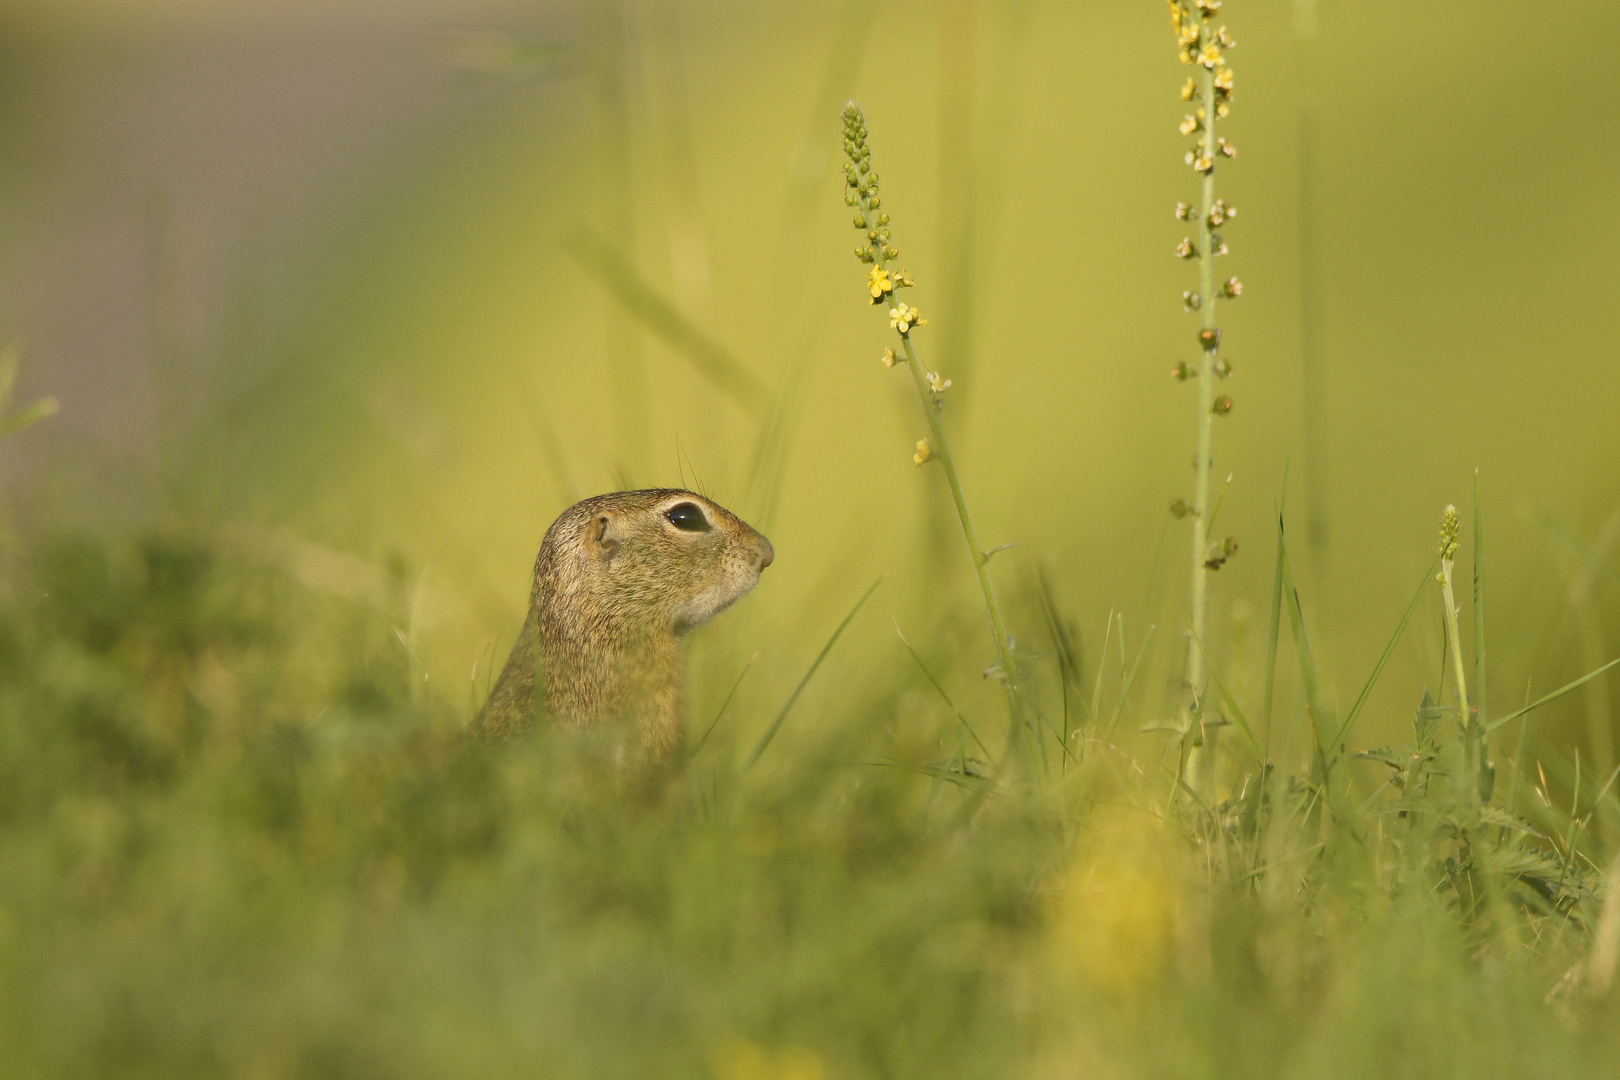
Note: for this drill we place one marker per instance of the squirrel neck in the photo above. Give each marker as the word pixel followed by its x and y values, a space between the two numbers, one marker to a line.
pixel 606 668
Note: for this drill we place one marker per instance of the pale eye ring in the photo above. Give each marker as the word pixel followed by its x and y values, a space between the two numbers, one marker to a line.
pixel 688 517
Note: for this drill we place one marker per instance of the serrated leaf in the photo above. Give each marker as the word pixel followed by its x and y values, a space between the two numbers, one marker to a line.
pixel 1496 815
pixel 1386 755
pixel 1427 721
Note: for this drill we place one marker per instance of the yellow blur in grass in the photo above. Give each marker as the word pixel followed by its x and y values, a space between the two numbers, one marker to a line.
pixel 743 1060
pixel 1118 909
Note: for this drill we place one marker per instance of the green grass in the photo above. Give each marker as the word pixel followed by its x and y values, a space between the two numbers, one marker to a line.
pixel 242 834
pixel 235 840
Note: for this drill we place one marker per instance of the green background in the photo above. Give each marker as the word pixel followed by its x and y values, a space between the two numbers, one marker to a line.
pixel 305 272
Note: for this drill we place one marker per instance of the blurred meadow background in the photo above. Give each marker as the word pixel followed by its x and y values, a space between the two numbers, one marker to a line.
pixel 343 303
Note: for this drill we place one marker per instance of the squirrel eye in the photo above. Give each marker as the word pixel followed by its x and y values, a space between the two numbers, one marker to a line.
pixel 687 517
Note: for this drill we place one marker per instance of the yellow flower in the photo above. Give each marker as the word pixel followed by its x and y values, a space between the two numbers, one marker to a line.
pixel 1188 89
pixel 1200 162
pixel 1185 249
pixel 1189 125
pixel 888 358
pixel 902 280
pixel 1117 911
pixel 923 452
pixel 879 284
pixel 903 318
pixel 1210 56
pixel 937 384
pixel 742 1060
pixel 1223 80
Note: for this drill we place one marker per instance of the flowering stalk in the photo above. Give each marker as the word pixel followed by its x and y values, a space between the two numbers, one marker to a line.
pixel 1473 768
pixel 882 283
pixel 1203 46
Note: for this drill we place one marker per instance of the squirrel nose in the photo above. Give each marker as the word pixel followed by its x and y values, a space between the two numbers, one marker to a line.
pixel 766 554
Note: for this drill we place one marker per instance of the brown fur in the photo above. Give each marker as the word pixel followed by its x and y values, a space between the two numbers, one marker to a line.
pixel 616 586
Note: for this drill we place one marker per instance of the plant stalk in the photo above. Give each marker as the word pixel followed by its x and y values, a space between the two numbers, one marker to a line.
pixel 939 446
pixel 1206 424
pixel 1470 727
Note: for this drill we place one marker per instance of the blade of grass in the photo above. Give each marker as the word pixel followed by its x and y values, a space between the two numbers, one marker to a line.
pixel 943 695
pixel 1518 756
pixel 29 415
pixel 776 724
pixel 1479 613
pixel 1305 658
pixel 1378 668
pixel 1120 641
pixel 707 356
pixel 724 705
pixel 1130 681
pixel 1554 696
pixel 1594 556
pixel 1051 727
pixel 971 781
pixel 1232 706
pixel 1102 658
pixel 1604 790
pixel 1068 669
pixel 1276 619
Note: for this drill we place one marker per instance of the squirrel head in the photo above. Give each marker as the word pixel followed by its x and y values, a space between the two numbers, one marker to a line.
pixel 659 561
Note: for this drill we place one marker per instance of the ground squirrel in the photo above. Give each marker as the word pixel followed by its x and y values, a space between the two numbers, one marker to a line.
pixel 619 580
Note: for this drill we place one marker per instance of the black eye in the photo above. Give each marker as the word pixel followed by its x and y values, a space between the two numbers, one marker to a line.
pixel 687 517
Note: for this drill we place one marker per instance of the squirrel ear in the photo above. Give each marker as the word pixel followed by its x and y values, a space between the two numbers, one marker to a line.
pixel 601 536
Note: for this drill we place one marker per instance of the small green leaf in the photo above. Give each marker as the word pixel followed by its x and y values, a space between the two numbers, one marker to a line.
pixel 1427 721
pixel 42 409
pixel 1385 755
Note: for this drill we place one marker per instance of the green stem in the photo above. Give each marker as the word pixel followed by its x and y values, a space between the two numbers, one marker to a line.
pixel 1206 415
pixel 1454 641
pixel 941 448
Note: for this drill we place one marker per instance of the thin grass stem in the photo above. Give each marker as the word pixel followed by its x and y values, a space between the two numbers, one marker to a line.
pixel 776 724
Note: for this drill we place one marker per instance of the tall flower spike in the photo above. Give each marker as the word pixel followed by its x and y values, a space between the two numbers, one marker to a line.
pixel 861 185
pixel 878 250
pixel 1208 90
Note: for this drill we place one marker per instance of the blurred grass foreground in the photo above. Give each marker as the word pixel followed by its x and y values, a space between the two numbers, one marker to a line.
pixel 318 314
